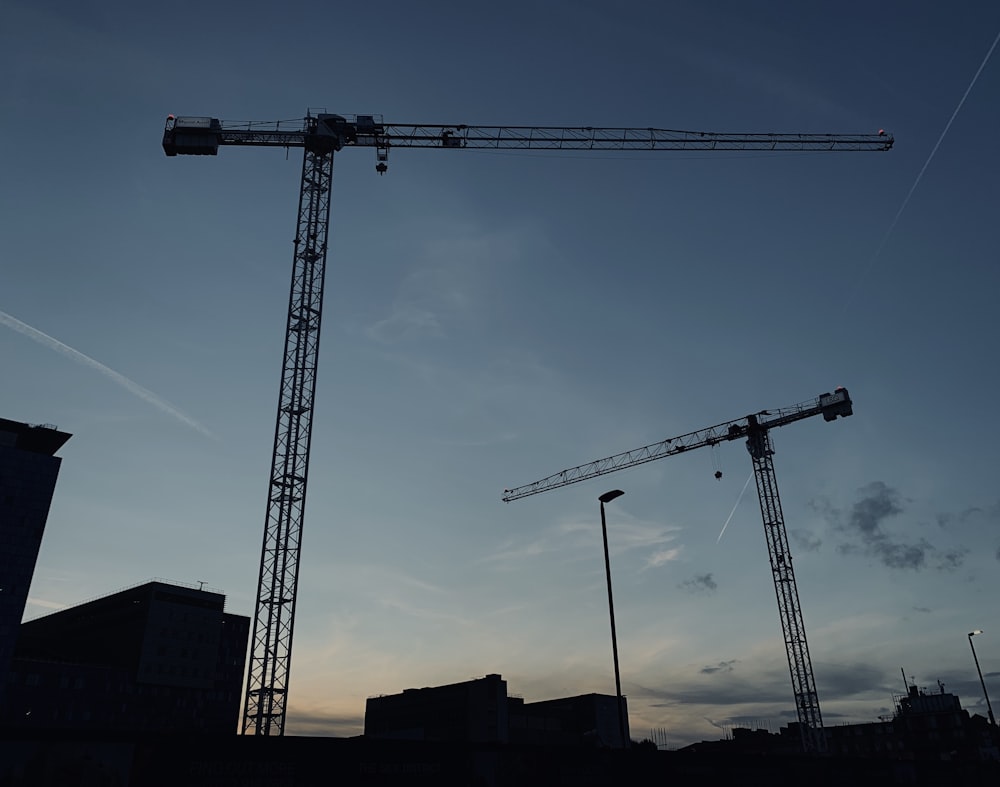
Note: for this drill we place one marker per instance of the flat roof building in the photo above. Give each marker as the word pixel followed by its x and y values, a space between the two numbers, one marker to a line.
pixel 479 711
pixel 587 719
pixel 155 657
pixel 474 711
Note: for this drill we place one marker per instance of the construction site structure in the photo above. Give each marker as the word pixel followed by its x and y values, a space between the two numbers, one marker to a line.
pixel 321 135
pixel 756 430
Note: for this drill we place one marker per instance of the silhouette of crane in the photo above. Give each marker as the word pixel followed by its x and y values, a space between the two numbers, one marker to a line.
pixel 321 135
pixel 756 429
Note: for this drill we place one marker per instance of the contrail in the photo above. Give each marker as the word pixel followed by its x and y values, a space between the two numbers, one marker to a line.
pixel 923 169
pixel 130 386
pixel 738 499
pixel 938 144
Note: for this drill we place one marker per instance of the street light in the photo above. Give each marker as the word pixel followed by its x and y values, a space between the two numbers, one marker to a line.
pixel 989 708
pixel 607 497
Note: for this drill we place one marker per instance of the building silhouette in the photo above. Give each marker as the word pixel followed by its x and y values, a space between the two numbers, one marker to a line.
pixel 28 472
pixel 480 711
pixel 925 727
pixel 158 657
pixel 587 719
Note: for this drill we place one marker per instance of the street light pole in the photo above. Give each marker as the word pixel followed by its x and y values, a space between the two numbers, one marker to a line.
pixel 989 708
pixel 607 497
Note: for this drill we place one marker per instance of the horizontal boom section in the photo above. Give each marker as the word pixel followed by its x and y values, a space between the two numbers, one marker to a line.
pixel 203 136
pixel 828 405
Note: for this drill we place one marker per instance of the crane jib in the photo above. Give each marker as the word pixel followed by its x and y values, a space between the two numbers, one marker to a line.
pixel 829 405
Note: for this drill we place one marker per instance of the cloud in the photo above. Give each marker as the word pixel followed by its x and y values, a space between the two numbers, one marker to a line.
pixel 851 680
pixel 970 514
pixel 701 583
pixel 864 528
pixel 427 299
pixel 722 666
pixel 442 293
pixel 805 540
pixel 662 556
pixel 406 322
pixel 318 722
pixel 46 604
pixel 879 503
pixel 568 537
pixel 723 691
pixel 951 560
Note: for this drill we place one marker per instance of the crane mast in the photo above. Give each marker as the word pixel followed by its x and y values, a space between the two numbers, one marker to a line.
pixel 322 135
pixel 793 627
pixel 756 429
pixel 271 654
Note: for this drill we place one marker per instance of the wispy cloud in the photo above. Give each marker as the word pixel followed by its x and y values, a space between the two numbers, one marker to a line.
pixel 318 721
pixel 129 385
pixel 433 297
pixel 45 603
pixel 406 322
pixel 662 556
pixel 423 612
pixel 568 536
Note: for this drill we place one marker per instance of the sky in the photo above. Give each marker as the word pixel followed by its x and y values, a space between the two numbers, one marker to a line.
pixel 491 318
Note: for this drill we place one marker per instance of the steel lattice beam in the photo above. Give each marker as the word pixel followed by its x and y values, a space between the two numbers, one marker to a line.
pixel 793 627
pixel 271 654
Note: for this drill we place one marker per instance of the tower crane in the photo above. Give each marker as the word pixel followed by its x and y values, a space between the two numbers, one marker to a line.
pixel 321 135
pixel 756 429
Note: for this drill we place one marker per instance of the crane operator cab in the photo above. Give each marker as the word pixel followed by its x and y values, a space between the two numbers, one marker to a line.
pixel 836 403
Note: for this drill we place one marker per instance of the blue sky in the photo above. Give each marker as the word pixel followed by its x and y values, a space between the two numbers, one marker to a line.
pixel 492 318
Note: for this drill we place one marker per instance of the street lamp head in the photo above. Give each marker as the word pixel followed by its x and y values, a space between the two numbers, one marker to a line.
pixel 607 497
pixel 977 631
